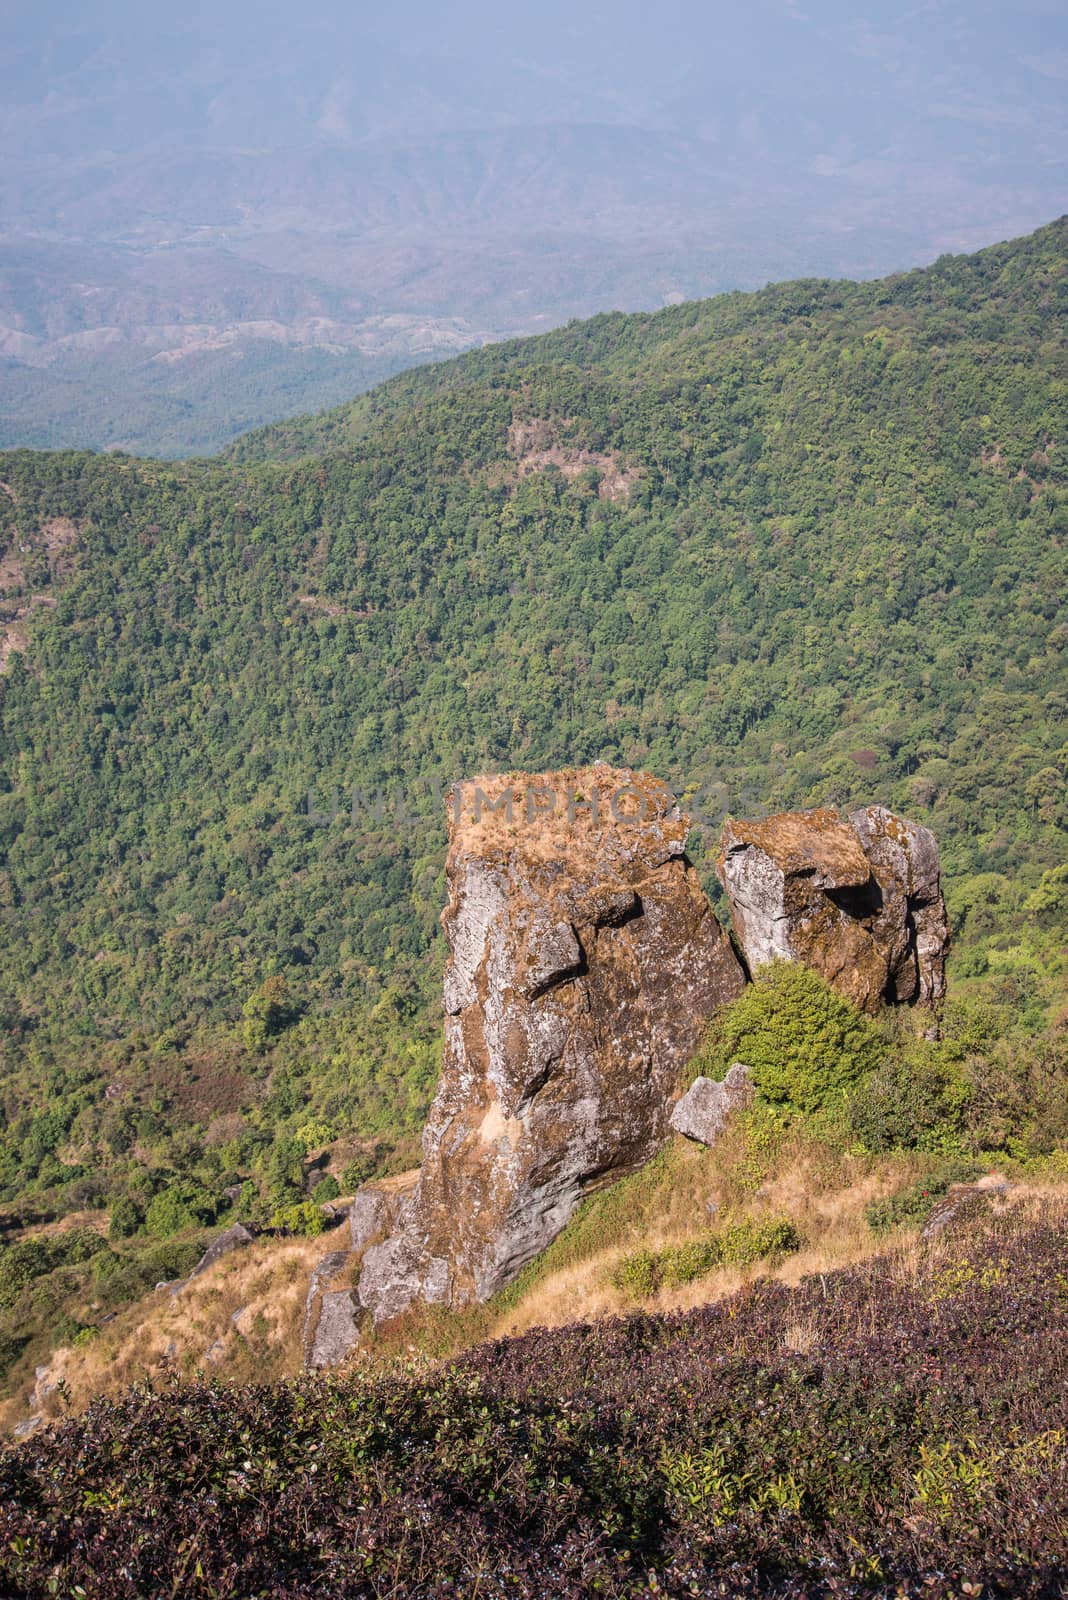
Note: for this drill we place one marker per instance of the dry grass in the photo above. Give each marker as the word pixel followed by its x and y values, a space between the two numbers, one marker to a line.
pixel 822 1192
pixel 692 1189
pixel 243 1318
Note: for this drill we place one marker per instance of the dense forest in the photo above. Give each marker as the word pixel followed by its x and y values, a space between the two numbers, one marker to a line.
pixel 794 547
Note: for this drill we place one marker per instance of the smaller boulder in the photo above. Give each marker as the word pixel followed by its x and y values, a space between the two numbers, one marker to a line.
pixel 707 1107
pixel 233 1239
pixel 374 1209
pixel 243 1320
pixel 331 1313
pixel 964 1202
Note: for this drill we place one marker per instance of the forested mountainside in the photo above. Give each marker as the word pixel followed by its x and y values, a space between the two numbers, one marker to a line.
pixel 801 546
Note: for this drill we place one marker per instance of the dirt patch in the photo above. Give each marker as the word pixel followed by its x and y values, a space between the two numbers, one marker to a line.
pixel 330 608
pixel 536 444
pixel 58 540
pixel 205 1089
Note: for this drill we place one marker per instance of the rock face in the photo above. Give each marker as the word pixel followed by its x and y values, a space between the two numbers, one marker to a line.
pixel 858 900
pixel 233 1239
pixel 330 1313
pixel 911 922
pixel 707 1106
pixel 584 961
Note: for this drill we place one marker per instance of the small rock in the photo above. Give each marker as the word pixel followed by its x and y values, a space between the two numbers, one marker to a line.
pixel 370 1213
pixel 215 1352
pixel 232 1239
pixel 44 1386
pixel 22 1430
pixel 707 1107
pixel 331 1315
pixel 242 1320
pixel 963 1200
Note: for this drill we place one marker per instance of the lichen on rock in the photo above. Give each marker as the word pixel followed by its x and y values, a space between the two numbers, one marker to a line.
pixel 858 900
pixel 584 962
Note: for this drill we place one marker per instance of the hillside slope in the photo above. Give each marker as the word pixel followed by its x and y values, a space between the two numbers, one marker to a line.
pixel 898 1428
pixel 802 546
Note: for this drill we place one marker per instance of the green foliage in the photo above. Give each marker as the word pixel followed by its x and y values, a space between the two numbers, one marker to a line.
pixel 305 1218
pixel 356 1173
pixel 127 1218
pixel 20 1265
pixel 181 1205
pixel 803 1043
pixel 916 1100
pixel 913 1203
pixel 327 1188
pixel 641 1273
pixel 267 1012
pixel 313 1135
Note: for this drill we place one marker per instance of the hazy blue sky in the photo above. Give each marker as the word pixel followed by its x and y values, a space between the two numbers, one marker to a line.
pixel 850 76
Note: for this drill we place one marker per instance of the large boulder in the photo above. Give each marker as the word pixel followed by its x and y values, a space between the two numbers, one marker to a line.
pixel 584 960
pixel 858 900
pixel 910 921
pixel 708 1105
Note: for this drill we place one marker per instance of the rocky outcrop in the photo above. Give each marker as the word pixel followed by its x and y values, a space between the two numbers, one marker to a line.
pixel 234 1238
pixel 964 1202
pixel 331 1326
pixel 857 900
pixel 707 1106
pixel 910 922
pixel 584 959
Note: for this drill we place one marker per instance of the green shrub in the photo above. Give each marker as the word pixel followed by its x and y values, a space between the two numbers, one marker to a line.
pixel 638 1273
pixel 316 1133
pixel 182 1205
pixel 356 1173
pixel 126 1219
pixel 327 1188
pixel 1019 1096
pixel 267 1012
pixel 803 1043
pixel 913 1204
pixel 747 1241
pixel 20 1265
pixel 642 1272
pixel 914 1101
pixel 11 1348
pixel 304 1218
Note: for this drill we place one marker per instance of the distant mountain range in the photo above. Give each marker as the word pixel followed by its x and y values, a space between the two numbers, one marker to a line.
pixel 233 220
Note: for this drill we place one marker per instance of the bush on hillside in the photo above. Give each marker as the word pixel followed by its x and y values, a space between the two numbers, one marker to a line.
pixel 643 1272
pixel 803 1043
pixel 916 1100
pixel 912 1205
pixel 304 1219
pixel 182 1205
pixel 126 1218
pixel 1019 1096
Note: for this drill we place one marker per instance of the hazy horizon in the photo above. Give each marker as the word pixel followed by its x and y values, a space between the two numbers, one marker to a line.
pixel 216 217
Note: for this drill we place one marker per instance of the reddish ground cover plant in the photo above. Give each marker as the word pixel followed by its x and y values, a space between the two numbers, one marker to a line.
pixel 896 1429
